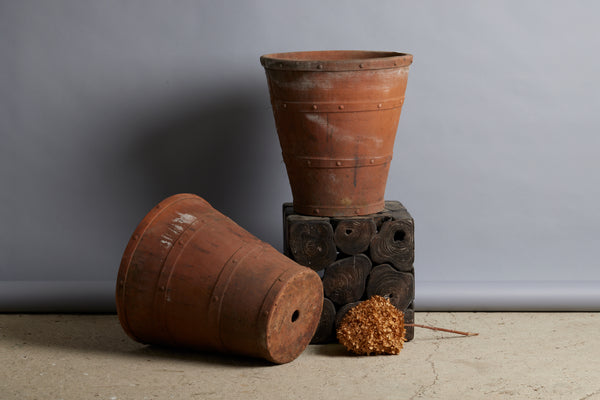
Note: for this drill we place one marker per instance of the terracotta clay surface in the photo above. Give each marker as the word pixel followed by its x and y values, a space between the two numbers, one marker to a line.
pixel 191 277
pixel 336 114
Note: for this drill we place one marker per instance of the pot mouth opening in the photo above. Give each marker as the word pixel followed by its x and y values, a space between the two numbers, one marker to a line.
pixel 336 60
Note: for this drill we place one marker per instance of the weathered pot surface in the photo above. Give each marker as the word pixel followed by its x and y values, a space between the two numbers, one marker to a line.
pixel 191 277
pixel 336 114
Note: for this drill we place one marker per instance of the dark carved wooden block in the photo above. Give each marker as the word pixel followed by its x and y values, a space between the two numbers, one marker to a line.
pixel 344 280
pixel 353 236
pixel 394 243
pixel 398 287
pixel 342 311
pixel 409 318
pixel 326 329
pixel 358 257
pixel 310 241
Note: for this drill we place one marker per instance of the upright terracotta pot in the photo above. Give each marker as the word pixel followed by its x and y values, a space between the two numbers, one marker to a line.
pixel 192 277
pixel 337 114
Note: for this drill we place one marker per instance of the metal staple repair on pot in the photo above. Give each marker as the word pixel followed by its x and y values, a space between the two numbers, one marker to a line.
pixel 336 114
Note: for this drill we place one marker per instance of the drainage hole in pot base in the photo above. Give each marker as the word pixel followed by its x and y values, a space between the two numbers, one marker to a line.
pixel 295 316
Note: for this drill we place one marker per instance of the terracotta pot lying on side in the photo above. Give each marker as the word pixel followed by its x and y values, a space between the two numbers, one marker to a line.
pixel 192 277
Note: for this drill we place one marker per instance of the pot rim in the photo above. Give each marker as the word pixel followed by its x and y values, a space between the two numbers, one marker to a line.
pixel 335 60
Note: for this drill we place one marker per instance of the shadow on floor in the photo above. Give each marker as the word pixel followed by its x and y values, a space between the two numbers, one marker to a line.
pixel 100 334
pixel 332 350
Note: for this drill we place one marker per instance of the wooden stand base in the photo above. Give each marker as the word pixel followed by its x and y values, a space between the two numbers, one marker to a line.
pixel 357 257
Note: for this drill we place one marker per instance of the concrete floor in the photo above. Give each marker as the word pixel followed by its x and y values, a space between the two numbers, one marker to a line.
pixel 517 355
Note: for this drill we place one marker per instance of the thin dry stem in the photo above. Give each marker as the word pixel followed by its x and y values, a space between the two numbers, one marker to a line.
pixel 435 328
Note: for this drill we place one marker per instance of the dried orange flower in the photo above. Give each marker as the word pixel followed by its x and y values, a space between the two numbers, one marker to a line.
pixel 374 326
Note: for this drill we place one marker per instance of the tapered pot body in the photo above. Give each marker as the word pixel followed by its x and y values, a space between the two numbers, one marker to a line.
pixel 192 277
pixel 337 114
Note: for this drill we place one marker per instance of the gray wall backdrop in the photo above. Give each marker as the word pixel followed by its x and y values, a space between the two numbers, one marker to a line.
pixel 107 107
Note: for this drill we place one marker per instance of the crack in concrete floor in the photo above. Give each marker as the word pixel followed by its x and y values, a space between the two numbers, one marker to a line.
pixel 591 395
pixel 424 388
